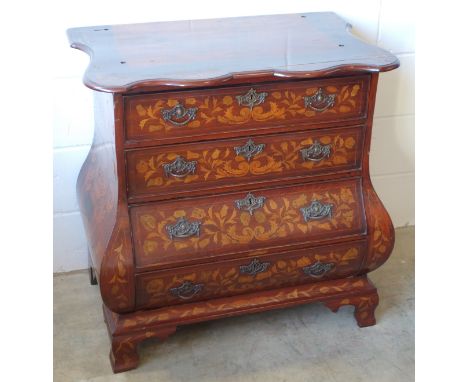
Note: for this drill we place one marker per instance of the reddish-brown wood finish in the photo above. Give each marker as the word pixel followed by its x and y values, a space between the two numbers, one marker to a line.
pixel 217 52
pixel 128 203
pixel 225 230
pixel 127 330
pixel 227 278
pixel 219 112
pixel 218 165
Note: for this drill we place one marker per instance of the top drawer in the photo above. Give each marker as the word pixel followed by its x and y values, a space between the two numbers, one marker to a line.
pixel 244 110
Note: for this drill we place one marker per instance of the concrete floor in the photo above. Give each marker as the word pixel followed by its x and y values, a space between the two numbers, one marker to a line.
pixel 304 343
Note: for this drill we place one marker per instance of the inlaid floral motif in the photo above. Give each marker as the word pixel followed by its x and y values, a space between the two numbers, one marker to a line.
pixel 118 281
pixel 218 162
pixel 225 110
pixel 172 314
pixel 222 224
pixel 381 233
pixel 117 272
pixel 229 280
pixel 98 195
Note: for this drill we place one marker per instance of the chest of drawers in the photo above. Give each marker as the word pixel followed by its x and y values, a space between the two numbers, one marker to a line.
pixel 229 171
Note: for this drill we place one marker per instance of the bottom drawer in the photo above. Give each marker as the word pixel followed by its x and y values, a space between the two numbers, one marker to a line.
pixel 201 282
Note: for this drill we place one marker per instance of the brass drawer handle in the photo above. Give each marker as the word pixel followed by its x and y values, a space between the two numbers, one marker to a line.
pixel 254 267
pixel 180 167
pixel 316 152
pixel 251 98
pixel 318 269
pixel 187 290
pixel 183 228
pixel 317 211
pixel 249 150
pixel 181 115
pixel 319 101
pixel 250 203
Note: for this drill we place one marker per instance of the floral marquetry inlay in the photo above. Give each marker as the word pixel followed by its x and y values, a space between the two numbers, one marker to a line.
pixel 230 278
pixel 117 271
pixel 219 110
pixel 227 175
pixel 277 105
pixel 217 162
pixel 382 233
pixel 317 291
pixel 224 227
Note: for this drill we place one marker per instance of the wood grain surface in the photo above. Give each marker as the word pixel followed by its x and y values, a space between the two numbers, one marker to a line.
pixel 161 231
pixel 217 164
pixel 229 278
pixel 225 229
pixel 218 110
pixel 195 53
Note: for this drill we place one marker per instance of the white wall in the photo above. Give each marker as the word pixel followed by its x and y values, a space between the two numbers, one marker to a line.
pixel 387 23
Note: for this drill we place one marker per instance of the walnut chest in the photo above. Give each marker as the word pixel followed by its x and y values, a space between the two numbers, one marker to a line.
pixel 229 171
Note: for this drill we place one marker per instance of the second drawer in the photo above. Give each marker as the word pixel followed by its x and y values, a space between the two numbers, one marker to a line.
pixel 183 169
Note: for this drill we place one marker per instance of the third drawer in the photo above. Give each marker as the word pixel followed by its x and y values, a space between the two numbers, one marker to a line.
pixel 195 230
pixel 163 172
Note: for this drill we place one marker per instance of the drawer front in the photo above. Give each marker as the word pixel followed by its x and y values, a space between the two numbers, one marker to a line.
pixel 248 275
pixel 240 110
pixel 186 231
pixel 188 167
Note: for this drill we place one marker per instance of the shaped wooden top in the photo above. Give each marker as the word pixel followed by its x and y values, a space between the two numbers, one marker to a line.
pixel 163 55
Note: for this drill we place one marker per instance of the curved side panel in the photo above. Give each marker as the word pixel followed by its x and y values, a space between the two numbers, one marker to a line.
pixel 117 282
pixel 380 230
pixel 104 215
pixel 97 182
pixel 381 234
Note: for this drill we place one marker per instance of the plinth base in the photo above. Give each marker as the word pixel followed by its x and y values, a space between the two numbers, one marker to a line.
pixel 128 330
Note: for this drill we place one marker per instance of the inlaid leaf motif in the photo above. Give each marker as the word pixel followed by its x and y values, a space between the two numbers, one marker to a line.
pixel 281 264
pixel 142 167
pixel 150 246
pixel 224 110
pixel 198 213
pixel 338 159
pixel 245 218
pixel 344 109
pixel 223 212
pixel 300 201
pixel 154 182
pixel 203 243
pixel 118 277
pixel 215 164
pixel 355 90
pixel 140 110
pixel 302 227
pixel 179 213
pixel 350 254
pixel 226 280
pixel 303 262
pixel 224 225
pixel 350 142
pixel 325 139
pixel 148 222
pixel 155 286
pixel 272 204
pixel 260 217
